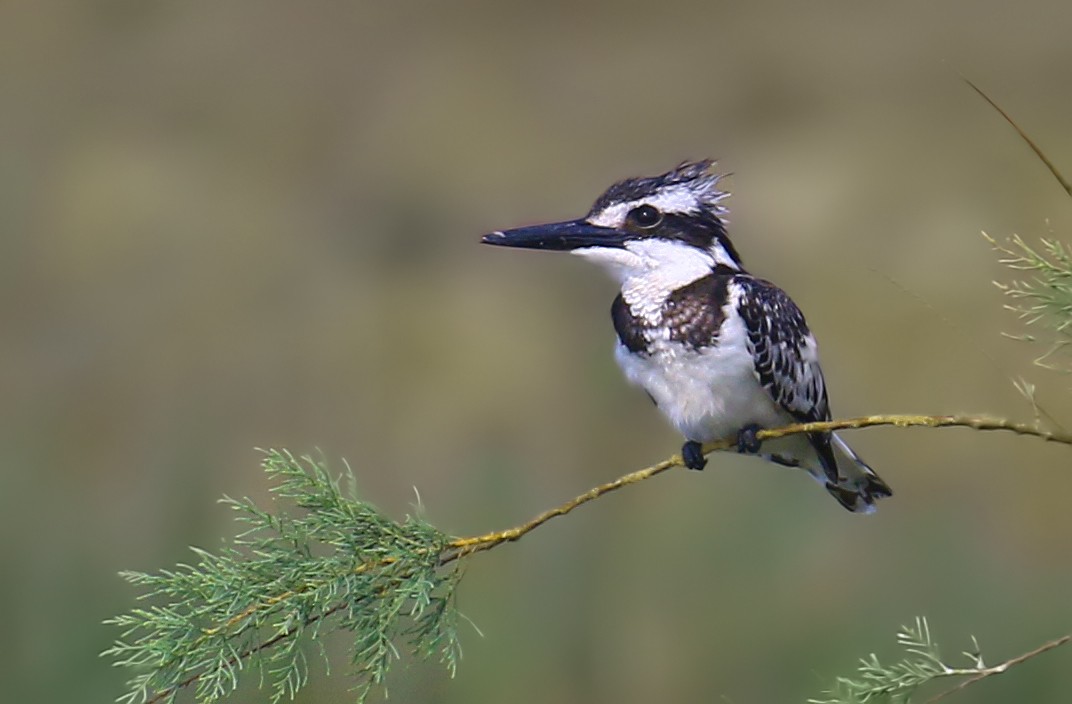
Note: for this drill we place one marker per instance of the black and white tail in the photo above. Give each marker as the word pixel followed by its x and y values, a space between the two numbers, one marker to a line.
pixel 859 487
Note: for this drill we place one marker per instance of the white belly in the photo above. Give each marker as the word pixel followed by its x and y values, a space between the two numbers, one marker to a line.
pixel 708 394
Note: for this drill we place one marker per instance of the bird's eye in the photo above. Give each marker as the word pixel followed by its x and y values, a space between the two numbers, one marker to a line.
pixel 645 216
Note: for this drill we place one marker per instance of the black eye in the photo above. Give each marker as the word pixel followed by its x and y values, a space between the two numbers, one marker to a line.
pixel 645 216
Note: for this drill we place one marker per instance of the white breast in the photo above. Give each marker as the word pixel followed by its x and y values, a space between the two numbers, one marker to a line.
pixel 706 394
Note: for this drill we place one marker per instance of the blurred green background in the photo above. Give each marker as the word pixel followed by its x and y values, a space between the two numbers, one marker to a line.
pixel 239 224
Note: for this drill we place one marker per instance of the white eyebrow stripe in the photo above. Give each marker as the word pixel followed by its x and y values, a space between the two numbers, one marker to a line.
pixel 676 199
pixel 613 215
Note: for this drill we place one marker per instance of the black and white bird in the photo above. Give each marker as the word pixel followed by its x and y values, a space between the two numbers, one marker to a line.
pixel 722 353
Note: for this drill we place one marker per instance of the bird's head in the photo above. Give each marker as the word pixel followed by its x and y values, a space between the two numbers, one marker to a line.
pixel 671 224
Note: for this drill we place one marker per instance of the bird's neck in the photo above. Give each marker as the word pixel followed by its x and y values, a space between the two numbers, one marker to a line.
pixel 649 270
pixel 668 267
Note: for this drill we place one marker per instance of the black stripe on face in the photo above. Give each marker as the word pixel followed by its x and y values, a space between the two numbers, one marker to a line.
pixel 700 230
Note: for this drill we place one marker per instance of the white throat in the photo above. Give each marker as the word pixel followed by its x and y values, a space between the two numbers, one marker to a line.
pixel 649 270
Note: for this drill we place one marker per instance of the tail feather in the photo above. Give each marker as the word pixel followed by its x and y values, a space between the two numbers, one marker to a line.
pixel 833 464
pixel 858 487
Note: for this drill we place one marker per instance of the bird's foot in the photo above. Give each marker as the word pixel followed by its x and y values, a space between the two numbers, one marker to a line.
pixel 747 442
pixel 692 453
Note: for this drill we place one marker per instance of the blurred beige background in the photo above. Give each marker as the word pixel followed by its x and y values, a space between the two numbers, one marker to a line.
pixel 243 224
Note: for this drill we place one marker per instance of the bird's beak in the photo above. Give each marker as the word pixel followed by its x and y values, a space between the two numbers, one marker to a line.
pixel 570 235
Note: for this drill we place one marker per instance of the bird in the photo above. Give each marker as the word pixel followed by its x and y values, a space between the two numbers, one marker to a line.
pixel 722 353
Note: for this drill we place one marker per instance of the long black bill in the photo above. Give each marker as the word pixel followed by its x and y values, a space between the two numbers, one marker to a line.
pixel 559 235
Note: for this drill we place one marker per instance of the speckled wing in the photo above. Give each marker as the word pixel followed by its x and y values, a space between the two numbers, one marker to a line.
pixel 783 350
pixel 786 360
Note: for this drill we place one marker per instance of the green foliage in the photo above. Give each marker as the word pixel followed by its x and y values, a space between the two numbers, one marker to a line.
pixel 1045 298
pixel 260 602
pixel 896 683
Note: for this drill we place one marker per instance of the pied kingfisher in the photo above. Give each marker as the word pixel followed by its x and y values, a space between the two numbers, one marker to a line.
pixel 720 352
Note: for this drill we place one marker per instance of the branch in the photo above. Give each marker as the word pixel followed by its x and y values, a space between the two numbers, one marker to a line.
pixel 922 665
pixel 379 579
pixel 464 546
pixel 998 669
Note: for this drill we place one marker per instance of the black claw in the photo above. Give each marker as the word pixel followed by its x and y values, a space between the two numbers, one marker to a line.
pixel 692 453
pixel 747 442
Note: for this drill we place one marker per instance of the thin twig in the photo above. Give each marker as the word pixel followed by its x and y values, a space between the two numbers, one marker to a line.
pixel 465 546
pixel 998 669
pixel 1038 152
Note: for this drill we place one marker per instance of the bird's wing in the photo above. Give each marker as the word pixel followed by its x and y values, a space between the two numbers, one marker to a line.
pixel 786 358
pixel 783 350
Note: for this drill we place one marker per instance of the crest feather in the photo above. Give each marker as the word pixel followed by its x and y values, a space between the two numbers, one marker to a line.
pixel 695 178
